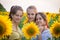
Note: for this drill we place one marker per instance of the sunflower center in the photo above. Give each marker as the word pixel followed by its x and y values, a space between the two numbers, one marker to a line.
pixel 30 31
pixel 1 30
pixel 57 30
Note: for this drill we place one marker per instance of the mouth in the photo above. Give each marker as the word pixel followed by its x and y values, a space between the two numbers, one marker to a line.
pixel 30 18
pixel 39 23
pixel 18 19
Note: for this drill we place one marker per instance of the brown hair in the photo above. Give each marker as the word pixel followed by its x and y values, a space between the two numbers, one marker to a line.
pixel 14 9
pixel 32 7
pixel 42 15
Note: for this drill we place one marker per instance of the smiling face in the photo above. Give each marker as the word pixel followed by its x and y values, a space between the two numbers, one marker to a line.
pixel 31 14
pixel 17 17
pixel 40 21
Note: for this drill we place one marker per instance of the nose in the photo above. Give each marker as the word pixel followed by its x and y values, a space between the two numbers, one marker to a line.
pixel 30 16
pixel 39 21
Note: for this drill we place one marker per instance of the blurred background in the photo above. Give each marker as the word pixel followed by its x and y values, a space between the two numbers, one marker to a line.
pixel 42 5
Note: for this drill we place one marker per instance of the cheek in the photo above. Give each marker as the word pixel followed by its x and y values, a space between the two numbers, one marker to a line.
pixel 13 17
pixel 17 18
pixel 43 22
pixel 33 16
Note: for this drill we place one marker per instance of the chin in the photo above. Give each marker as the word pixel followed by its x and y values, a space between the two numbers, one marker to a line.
pixel 17 21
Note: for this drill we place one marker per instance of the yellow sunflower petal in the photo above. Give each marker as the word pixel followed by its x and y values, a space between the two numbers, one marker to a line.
pixel 5 26
pixel 30 30
pixel 55 29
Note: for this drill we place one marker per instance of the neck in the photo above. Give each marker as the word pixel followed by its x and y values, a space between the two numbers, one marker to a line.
pixel 14 23
pixel 45 28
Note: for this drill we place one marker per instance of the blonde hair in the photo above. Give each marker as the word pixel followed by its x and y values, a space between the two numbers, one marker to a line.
pixel 32 7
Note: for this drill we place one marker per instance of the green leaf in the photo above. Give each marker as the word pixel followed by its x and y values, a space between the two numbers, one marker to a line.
pixel 2 8
pixel 51 22
pixel 48 39
pixel 56 18
pixel 23 38
pixel 21 22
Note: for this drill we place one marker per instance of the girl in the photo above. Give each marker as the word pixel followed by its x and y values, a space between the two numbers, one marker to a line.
pixel 16 13
pixel 41 21
pixel 31 12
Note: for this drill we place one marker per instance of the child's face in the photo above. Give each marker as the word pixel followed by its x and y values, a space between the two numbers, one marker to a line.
pixel 40 20
pixel 31 14
pixel 17 17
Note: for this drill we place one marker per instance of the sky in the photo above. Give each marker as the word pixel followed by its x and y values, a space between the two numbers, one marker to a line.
pixel 41 5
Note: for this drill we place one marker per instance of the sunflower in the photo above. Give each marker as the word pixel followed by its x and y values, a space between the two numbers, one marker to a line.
pixel 30 30
pixel 26 19
pixel 4 13
pixel 53 15
pixel 48 16
pixel 25 14
pixel 55 29
pixel 5 26
pixel 59 19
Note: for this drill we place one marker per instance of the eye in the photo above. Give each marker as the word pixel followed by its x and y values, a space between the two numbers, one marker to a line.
pixel 32 14
pixel 20 15
pixel 17 15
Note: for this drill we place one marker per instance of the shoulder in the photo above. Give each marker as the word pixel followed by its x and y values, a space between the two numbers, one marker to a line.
pixel 47 33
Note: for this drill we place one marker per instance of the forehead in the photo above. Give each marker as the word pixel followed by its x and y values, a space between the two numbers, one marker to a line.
pixel 19 12
pixel 38 16
pixel 30 10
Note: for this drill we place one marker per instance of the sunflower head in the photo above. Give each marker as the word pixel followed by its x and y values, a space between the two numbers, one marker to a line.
pixel 4 13
pixel 2 29
pixel 48 16
pixel 55 29
pixel 53 15
pixel 5 26
pixel 30 30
